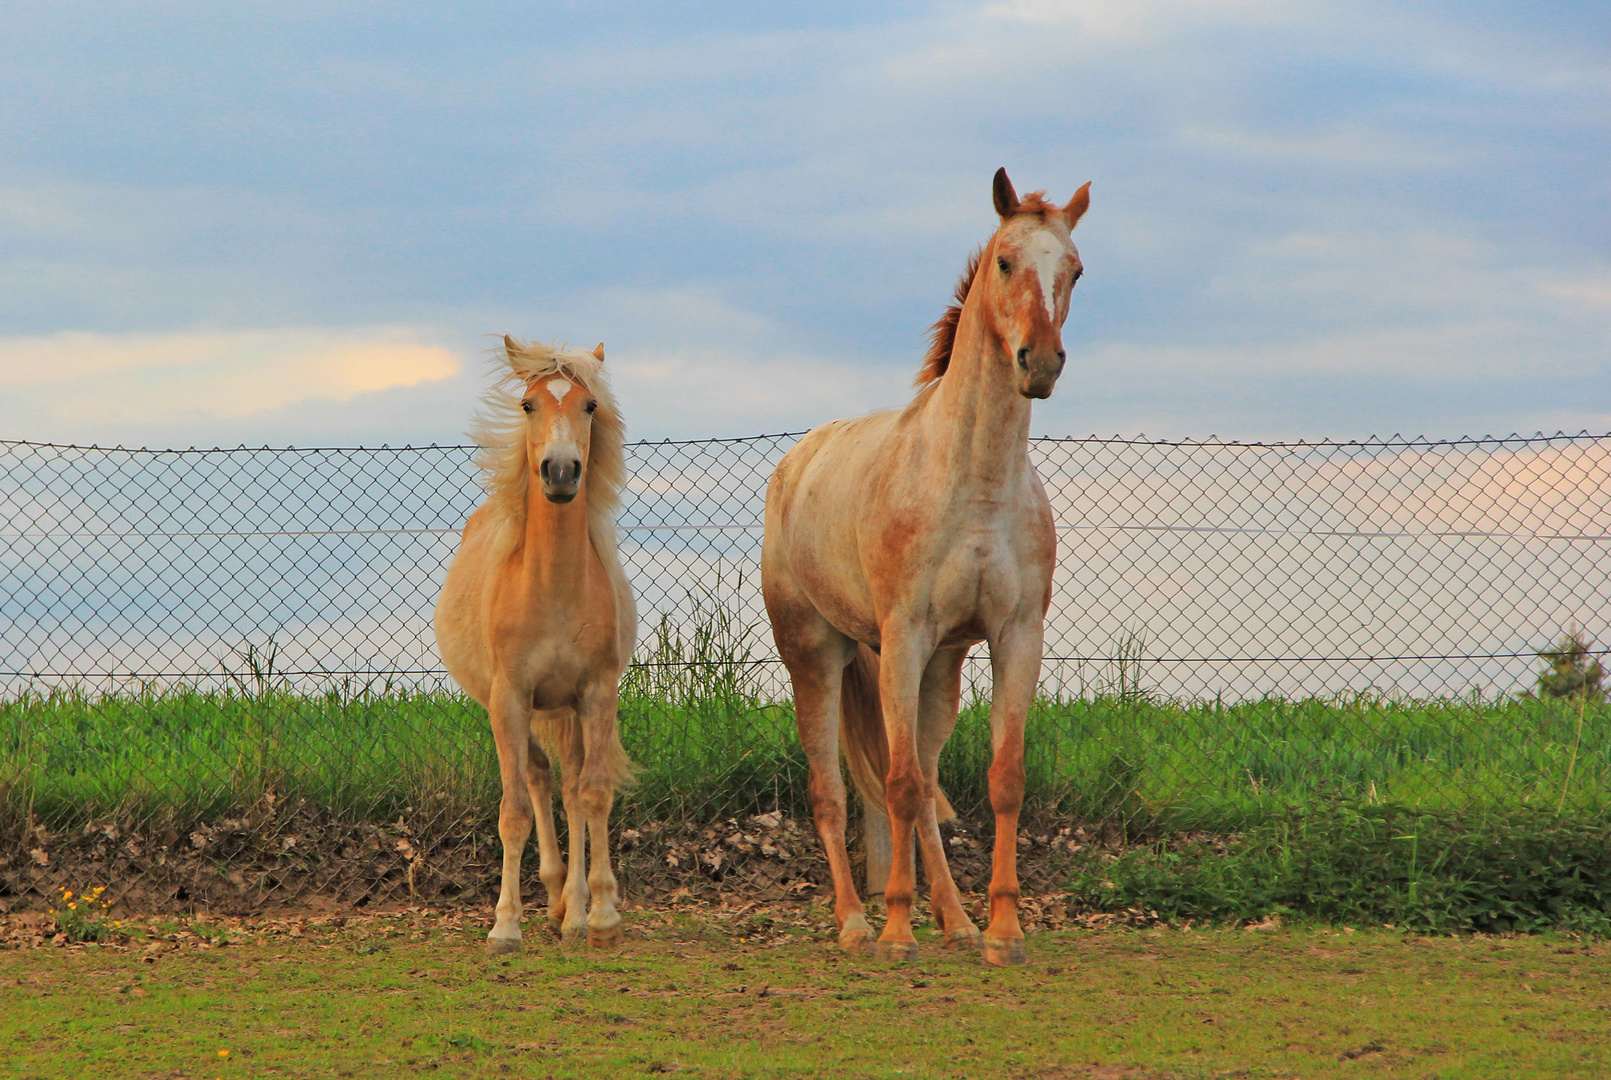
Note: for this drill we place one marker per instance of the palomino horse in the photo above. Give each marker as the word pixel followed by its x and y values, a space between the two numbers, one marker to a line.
pixel 894 543
pixel 537 622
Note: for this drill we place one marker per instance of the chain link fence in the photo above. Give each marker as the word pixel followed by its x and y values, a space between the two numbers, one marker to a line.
pixel 202 645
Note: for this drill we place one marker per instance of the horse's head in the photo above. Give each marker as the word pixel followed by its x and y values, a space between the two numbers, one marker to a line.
pixel 559 425
pixel 1027 272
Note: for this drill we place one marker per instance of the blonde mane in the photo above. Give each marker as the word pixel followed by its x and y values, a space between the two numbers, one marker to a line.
pixel 500 431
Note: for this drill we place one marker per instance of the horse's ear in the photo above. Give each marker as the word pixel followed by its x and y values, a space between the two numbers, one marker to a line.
pixel 1077 206
pixel 598 352
pixel 510 348
pixel 1006 198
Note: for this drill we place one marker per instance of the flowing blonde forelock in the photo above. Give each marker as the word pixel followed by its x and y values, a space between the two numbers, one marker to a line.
pixel 500 431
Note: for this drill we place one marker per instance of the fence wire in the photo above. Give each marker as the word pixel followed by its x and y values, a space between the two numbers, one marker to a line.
pixel 196 631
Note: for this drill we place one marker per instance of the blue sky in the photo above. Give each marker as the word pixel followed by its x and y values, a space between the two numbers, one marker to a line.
pixel 300 222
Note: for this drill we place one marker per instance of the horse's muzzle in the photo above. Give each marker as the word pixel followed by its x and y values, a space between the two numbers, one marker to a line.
pixel 1038 370
pixel 562 478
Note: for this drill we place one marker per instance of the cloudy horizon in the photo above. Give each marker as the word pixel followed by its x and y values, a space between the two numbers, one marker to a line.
pixel 306 224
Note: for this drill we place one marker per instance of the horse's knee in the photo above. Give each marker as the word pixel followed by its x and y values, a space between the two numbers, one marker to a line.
pixel 827 801
pixel 1007 779
pixel 595 793
pixel 904 794
pixel 515 815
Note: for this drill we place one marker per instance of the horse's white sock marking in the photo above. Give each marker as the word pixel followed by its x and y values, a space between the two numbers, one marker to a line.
pixel 1047 251
pixel 558 387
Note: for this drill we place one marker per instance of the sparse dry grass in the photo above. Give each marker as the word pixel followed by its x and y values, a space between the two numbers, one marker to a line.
pixel 763 993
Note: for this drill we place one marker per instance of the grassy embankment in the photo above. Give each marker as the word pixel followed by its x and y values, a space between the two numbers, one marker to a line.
pixel 1444 815
pixel 1155 767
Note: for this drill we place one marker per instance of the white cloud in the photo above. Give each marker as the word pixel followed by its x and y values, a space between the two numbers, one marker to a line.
pixel 1344 145
pixel 1591 292
pixel 729 392
pixel 1115 20
pixel 89 380
pixel 691 361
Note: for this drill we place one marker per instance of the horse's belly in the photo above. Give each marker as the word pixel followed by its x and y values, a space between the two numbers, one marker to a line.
pixel 851 617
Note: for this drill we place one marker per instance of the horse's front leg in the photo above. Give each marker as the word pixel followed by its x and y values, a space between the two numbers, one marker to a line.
pixel 574 893
pixel 510 714
pixel 1015 666
pixel 540 784
pixel 940 697
pixel 604 764
pixel 903 659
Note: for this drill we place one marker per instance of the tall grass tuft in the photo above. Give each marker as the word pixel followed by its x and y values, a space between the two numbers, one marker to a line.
pixel 708 741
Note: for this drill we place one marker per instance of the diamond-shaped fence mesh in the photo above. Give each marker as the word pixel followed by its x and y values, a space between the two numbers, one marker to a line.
pixel 238 642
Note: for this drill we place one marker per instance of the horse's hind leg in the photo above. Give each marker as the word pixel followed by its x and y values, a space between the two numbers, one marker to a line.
pixel 540 783
pixel 510 717
pixel 816 654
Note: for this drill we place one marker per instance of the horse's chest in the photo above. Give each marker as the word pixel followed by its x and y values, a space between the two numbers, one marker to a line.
pixel 557 680
pixel 557 669
pixel 979 574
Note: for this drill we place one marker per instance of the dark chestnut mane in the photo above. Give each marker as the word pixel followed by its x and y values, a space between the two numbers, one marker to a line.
pixel 943 334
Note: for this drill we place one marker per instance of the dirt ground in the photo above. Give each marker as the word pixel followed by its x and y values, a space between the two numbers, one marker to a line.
pixel 280 858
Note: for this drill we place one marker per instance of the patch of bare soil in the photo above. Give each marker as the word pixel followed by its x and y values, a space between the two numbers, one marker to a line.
pixel 281 857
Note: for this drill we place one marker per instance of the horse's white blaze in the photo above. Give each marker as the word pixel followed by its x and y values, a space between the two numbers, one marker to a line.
pixel 558 387
pixel 1046 250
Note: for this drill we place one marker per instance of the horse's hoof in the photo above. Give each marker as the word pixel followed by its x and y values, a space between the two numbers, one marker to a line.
pixel 572 936
pixel 1003 952
pixel 856 940
pixel 502 946
pixel 895 951
pixel 607 938
pixel 963 938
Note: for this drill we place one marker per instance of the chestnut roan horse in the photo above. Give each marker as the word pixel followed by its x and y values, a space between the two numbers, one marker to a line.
pixel 536 622
pixel 896 541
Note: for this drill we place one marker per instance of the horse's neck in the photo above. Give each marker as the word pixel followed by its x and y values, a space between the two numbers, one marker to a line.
pixel 557 544
pixel 975 416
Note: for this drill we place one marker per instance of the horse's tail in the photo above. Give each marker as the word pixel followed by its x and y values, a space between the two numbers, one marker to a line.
pixel 621 768
pixel 861 728
pixel 561 736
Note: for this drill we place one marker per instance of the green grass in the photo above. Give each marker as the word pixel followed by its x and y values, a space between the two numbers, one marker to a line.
pixel 1428 871
pixel 713 749
pixel 414 995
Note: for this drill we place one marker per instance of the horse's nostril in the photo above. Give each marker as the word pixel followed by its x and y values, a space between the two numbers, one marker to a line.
pixel 1061 356
pixel 542 470
pixel 576 469
pixel 1023 358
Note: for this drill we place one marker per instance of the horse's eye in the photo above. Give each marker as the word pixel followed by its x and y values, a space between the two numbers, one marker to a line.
pixel 1004 266
pixel 591 405
pixel 526 405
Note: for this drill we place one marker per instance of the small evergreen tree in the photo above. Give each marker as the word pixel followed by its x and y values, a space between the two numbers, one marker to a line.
pixel 1573 670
